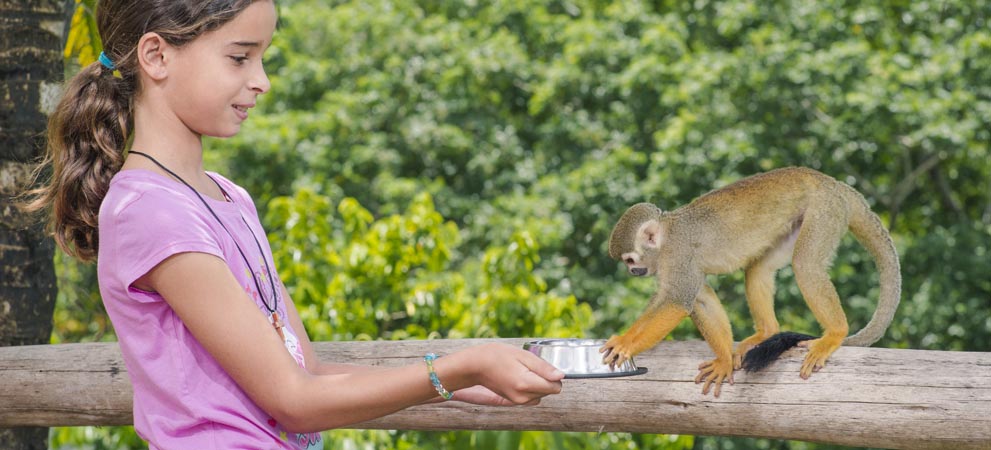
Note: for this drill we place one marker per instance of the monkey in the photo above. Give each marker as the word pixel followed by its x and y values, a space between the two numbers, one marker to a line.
pixel 759 224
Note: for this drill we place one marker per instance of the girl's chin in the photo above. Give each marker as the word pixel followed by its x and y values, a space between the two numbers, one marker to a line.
pixel 226 132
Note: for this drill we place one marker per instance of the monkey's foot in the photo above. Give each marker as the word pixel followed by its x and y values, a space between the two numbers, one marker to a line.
pixel 819 351
pixel 617 350
pixel 745 345
pixel 715 372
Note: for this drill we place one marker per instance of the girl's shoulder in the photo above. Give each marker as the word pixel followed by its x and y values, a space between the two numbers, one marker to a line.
pixel 136 184
pixel 139 188
pixel 146 217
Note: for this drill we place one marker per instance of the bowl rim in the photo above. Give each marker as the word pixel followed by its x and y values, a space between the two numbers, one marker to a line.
pixel 566 342
pixel 582 343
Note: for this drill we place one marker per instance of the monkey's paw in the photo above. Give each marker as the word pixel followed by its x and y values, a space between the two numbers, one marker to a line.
pixel 819 351
pixel 617 350
pixel 715 372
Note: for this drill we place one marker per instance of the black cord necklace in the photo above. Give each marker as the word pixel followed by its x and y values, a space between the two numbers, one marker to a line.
pixel 273 313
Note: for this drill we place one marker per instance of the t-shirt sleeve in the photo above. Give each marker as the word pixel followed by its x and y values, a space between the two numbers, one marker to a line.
pixel 152 227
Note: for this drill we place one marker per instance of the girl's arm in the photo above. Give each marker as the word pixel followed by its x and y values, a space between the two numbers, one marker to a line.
pixel 205 295
pixel 479 395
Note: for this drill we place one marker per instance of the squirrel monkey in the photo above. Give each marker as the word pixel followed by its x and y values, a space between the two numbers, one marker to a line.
pixel 759 224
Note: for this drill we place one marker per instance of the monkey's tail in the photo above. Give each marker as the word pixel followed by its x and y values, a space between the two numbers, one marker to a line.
pixel 867 228
pixel 766 352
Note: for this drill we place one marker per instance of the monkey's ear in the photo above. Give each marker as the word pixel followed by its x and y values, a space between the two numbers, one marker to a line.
pixel 651 234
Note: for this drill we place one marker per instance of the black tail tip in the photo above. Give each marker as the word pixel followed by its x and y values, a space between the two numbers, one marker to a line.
pixel 766 352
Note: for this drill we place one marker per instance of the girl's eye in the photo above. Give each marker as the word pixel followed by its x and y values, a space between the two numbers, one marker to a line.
pixel 239 59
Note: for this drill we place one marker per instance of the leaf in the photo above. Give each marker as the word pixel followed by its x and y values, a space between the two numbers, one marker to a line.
pixel 83 41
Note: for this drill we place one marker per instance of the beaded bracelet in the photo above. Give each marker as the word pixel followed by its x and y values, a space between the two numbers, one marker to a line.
pixel 433 377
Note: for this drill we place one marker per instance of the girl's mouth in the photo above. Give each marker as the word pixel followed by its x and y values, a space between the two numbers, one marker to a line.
pixel 241 111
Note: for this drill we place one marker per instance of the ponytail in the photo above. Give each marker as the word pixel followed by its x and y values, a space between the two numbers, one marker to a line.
pixel 87 135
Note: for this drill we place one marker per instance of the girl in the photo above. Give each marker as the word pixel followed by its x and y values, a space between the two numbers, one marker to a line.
pixel 215 349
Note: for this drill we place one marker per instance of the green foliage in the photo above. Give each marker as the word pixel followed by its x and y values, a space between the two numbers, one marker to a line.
pixel 534 124
pixel 83 43
pixel 95 438
pixel 500 440
pixel 391 278
pixel 79 313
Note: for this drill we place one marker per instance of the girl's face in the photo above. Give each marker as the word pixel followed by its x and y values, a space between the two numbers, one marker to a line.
pixel 216 78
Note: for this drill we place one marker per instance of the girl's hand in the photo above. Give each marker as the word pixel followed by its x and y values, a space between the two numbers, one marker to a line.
pixel 516 375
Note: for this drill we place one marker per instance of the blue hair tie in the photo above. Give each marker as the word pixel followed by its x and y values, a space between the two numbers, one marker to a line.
pixel 106 62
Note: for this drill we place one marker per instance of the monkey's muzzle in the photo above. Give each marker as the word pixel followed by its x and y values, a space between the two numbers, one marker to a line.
pixel 580 358
pixel 638 271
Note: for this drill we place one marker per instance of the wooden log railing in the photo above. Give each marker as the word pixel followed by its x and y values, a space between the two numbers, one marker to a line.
pixel 864 397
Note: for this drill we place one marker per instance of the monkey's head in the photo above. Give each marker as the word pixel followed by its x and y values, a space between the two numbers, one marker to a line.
pixel 636 238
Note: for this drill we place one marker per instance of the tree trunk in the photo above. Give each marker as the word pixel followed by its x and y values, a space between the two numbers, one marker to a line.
pixel 30 66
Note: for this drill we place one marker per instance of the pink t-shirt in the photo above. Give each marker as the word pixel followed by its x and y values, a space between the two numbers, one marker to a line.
pixel 183 399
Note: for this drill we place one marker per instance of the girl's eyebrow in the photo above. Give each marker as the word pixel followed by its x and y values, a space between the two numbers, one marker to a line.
pixel 245 44
pixel 250 44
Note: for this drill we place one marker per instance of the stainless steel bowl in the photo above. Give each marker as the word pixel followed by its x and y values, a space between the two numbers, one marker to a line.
pixel 580 358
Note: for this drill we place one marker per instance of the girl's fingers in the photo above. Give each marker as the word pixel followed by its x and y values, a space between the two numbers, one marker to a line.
pixel 540 367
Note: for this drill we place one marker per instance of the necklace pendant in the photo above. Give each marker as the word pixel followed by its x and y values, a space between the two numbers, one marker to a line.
pixel 277 324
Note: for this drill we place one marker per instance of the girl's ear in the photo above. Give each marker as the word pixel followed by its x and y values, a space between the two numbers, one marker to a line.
pixel 152 51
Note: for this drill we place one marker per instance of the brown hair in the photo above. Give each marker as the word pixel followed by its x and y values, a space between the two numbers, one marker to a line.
pixel 90 127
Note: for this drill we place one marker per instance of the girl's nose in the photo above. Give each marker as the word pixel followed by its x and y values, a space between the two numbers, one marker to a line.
pixel 259 82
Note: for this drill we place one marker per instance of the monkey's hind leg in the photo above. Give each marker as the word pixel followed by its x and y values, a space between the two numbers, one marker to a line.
pixel 711 320
pixel 760 299
pixel 818 239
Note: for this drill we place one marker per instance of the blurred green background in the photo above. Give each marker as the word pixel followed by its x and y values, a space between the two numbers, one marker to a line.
pixel 452 169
